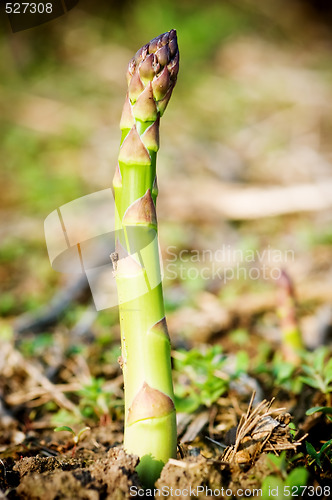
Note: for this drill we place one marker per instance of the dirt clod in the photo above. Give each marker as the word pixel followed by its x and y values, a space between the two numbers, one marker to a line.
pixel 189 473
pixel 67 478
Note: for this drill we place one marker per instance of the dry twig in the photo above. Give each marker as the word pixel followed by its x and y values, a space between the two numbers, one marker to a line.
pixel 260 430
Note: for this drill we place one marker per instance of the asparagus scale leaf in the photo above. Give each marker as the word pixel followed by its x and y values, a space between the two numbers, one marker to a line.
pixel 150 423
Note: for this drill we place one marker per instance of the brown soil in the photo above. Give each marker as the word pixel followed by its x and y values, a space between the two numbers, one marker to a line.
pixel 109 477
pixel 113 476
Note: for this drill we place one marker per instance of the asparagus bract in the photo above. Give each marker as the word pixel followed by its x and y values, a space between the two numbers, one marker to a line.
pixel 150 424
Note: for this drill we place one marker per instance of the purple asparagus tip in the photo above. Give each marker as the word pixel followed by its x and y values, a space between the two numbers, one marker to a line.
pixel 156 62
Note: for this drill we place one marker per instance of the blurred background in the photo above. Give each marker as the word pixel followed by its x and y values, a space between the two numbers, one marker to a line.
pixel 245 157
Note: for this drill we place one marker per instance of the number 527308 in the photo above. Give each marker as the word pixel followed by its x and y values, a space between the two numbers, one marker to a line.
pixel 28 8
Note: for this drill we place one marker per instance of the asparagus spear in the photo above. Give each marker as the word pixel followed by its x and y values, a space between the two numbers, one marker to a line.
pixel 150 424
pixel 292 341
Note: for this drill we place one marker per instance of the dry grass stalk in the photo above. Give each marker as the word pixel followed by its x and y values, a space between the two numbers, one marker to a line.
pixel 12 358
pixel 260 430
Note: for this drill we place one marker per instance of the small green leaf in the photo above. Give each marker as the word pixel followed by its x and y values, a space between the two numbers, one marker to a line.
pixel 325 447
pixel 310 381
pixel 187 405
pixel 308 370
pixel 328 372
pixel 284 371
pixel 311 450
pixel 316 409
pixel 319 358
pixel 297 477
pixel 278 461
pixel 86 429
pixel 292 429
pixel 270 484
pixel 242 362
pixel 65 428
pixel 313 453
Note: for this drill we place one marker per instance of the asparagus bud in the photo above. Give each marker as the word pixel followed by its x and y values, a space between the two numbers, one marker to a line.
pixel 150 425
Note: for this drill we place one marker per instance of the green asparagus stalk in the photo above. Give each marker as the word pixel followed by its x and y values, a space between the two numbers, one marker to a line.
pixel 292 341
pixel 150 424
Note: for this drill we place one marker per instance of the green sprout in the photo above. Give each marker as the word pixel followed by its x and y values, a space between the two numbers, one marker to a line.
pixel 318 457
pixel 150 423
pixel 325 452
pixel 76 436
pixel 317 370
pixel 94 400
pixel 200 378
pixel 292 342
pixel 285 374
pixel 94 403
